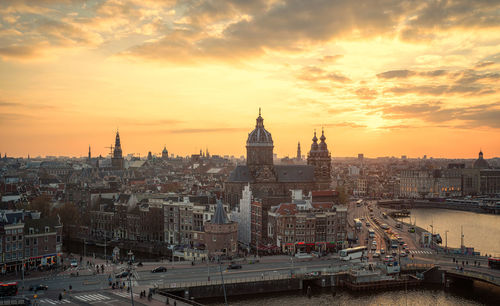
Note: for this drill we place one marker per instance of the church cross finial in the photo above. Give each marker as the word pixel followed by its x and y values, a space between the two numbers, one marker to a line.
pixel 259 111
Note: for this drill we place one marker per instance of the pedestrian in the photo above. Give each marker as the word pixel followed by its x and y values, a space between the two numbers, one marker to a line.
pixel 467 262
pixel 478 264
pixel 60 296
pixel 175 303
pixel 167 302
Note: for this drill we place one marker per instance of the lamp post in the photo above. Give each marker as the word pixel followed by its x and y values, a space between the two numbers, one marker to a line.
pixel 130 256
pixel 446 241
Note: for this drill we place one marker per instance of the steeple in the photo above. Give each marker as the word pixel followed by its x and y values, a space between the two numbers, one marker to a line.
pixel 322 144
pixel 299 154
pixel 90 156
pixel 314 145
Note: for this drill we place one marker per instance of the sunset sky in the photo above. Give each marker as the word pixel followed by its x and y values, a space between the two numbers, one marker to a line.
pixel 383 77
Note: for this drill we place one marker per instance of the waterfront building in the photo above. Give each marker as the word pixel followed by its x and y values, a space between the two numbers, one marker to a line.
pixel 322 227
pixel 221 234
pixel 437 183
pixel 164 153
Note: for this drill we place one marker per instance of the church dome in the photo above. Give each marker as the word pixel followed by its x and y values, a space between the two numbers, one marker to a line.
pixel 259 136
pixel 480 163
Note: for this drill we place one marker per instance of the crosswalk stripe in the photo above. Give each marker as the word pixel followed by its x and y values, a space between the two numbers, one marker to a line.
pixel 48 301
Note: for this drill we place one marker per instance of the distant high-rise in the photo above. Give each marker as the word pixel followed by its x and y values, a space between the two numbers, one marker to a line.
pixel 117 159
pixel 361 156
pixel 150 156
pixel 299 154
pixel 90 156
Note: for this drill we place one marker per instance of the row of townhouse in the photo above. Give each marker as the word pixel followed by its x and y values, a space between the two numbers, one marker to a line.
pixel 174 220
pixel 28 240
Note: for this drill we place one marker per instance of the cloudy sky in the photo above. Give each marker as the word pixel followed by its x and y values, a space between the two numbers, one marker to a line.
pixel 383 77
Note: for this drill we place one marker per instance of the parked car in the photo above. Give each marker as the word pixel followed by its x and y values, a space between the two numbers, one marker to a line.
pixel 403 254
pixel 159 269
pixel 39 287
pixel 376 255
pixel 382 251
pixel 74 263
pixel 388 258
pixel 233 266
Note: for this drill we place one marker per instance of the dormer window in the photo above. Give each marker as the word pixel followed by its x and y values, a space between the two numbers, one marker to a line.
pixel 31 231
pixel 46 229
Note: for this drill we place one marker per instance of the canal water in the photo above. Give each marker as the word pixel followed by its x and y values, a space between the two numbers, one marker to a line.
pixel 479 295
pixel 481 231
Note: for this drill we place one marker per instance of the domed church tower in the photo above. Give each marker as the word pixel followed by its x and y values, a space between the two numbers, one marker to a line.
pixel 320 158
pixel 260 153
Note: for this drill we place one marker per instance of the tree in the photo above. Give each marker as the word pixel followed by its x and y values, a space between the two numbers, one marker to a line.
pixel 41 204
pixel 70 215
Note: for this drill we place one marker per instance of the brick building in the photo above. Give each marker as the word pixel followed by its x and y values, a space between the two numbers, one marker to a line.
pixel 221 234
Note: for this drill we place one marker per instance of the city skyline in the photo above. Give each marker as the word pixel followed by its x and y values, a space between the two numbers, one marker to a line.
pixel 387 78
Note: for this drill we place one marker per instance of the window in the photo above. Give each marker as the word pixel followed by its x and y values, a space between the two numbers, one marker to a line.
pixel 58 239
pixel 20 246
pixel 35 252
pixel 27 253
pixel 7 247
pixel 20 231
pixel 20 255
pixel 31 231
pixel 35 241
pixel 46 238
pixel 46 248
pixel 8 238
pixel 46 229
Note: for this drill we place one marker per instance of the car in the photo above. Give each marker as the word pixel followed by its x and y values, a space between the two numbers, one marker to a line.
pixel 374 247
pixel 388 258
pixel 39 287
pixel 368 224
pixel 403 254
pixel 374 242
pixel 233 266
pixel 382 251
pixel 159 269
pixel 376 255
pixel 74 263
pixel 122 274
pixel 362 219
pixel 405 246
pixel 394 253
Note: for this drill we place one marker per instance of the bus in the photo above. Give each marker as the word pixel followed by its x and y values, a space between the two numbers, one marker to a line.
pixel 358 224
pixel 384 215
pixel 394 242
pixel 371 233
pixel 494 263
pixel 8 289
pixel 353 253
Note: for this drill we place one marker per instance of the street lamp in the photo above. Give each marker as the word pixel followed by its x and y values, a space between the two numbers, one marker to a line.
pixel 130 256
pixel 446 241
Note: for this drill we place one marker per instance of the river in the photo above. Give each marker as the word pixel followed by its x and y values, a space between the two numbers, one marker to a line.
pixel 481 231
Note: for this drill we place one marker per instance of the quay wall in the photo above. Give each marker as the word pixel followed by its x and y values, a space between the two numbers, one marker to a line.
pixel 234 289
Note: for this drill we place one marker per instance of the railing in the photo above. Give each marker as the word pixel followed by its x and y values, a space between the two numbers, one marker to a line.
pixel 478 275
pixel 226 281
